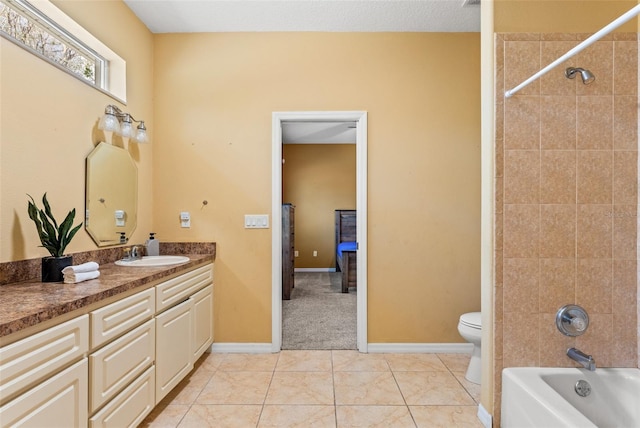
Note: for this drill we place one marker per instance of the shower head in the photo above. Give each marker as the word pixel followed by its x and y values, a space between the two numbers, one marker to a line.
pixel 587 76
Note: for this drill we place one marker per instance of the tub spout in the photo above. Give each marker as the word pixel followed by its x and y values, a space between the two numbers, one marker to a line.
pixel 587 361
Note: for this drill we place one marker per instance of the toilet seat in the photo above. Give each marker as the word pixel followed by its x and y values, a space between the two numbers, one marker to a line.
pixel 472 320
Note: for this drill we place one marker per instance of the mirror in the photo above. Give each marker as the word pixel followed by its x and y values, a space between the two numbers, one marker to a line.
pixel 111 200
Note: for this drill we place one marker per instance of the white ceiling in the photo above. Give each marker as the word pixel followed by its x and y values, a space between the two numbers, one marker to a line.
pixel 188 16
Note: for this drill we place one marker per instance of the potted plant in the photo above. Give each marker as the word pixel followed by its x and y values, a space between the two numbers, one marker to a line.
pixel 54 238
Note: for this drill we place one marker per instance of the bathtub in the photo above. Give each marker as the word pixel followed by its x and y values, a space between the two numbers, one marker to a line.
pixel 547 397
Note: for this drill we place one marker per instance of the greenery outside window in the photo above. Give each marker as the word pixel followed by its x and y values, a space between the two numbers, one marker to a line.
pixel 53 36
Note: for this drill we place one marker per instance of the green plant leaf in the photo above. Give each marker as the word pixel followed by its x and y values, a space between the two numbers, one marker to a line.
pixel 47 209
pixel 53 237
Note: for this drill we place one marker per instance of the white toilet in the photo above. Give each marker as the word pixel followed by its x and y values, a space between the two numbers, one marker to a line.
pixel 470 328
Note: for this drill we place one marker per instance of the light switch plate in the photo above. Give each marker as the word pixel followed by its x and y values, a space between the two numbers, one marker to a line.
pixel 256 221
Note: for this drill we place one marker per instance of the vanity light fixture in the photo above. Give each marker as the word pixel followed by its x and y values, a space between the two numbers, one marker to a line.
pixel 115 120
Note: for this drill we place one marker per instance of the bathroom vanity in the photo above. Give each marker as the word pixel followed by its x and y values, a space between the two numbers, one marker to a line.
pixel 102 352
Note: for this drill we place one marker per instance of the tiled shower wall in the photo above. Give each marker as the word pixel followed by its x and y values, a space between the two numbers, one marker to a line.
pixel 566 184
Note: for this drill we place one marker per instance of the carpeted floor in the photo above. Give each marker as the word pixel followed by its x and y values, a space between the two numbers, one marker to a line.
pixel 319 315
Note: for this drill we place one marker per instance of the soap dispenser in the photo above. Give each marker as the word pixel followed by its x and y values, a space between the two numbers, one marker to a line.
pixel 153 246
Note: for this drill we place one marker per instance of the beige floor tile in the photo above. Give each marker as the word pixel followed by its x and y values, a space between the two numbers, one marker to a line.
pixel 248 362
pixel 298 416
pixel 236 388
pixel 432 388
pixel 301 388
pixel 312 361
pixel 165 416
pixel 221 416
pixel 183 394
pixel 198 378
pixel 446 416
pixel 472 388
pixel 415 362
pixel 455 362
pixel 374 416
pixel 354 361
pixel 362 388
pixel 209 361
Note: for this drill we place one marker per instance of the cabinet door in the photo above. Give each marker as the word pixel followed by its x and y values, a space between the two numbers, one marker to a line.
pixel 131 406
pixel 202 321
pixel 60 401
pixel 25 363
pixel 113 367
pixel 112 320
pixel 173 347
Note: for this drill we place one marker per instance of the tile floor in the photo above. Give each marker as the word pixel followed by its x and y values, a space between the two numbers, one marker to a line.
pixel 322 389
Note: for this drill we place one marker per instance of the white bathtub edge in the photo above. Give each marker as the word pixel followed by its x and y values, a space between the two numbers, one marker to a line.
pixel 485 417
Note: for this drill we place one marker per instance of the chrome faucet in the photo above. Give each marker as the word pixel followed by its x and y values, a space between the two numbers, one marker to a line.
pixel 587 361
pixel 132 253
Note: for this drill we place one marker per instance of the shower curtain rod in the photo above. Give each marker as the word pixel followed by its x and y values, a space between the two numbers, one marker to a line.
pixel 587 42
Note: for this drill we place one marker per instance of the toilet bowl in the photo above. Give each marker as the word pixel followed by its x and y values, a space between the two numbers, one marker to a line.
pixel 470 328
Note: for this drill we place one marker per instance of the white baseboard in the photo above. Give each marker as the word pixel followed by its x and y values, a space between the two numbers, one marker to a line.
pixel 241 348
pixel 314 270
pixel 485 417
pixel 423 348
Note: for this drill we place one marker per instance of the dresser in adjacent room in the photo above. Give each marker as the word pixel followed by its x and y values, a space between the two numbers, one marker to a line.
pixel 288 243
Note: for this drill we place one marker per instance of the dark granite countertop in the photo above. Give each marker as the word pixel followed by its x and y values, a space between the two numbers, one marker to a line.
pixel 27 304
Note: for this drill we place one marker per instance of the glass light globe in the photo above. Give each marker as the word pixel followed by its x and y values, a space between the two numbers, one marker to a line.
pixel 109 122
pixel 126 130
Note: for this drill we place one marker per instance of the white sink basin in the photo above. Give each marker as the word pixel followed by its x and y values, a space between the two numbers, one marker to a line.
pixel 148 261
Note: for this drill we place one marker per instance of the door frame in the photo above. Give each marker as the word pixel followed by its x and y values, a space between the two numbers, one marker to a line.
pixel 360 118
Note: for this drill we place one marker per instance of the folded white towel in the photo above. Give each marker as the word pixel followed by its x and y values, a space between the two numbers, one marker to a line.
pixel 84 267
pixel 72 277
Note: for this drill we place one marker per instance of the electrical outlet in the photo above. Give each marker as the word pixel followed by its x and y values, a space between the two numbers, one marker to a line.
pixel 295 253
pixel 315 253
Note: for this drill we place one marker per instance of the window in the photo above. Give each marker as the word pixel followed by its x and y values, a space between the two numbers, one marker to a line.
pixel 53 36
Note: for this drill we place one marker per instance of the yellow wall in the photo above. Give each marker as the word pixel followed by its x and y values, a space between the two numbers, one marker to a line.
pixel 318 179
pixel 48 125
pixel 214 96
pixel 565 16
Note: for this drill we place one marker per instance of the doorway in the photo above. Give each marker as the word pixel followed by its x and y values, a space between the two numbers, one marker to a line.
pixel 358 118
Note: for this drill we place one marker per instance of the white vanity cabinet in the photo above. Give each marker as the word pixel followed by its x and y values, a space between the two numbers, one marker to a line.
pixel 43 377
pixel 110 365
pixel 184 325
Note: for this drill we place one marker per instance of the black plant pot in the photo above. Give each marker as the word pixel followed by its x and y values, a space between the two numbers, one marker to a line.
pixel 52 268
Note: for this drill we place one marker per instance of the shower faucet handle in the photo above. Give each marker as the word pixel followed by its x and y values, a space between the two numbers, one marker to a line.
pixel 572 320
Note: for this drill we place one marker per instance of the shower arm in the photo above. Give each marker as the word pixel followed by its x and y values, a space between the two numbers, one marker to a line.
pixel 633 12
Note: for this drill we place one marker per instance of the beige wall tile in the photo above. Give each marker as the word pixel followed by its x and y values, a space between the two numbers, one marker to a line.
pixel 595 231
pixel 625 66
pixel 625 130
pixel 554 344
pixel 558 119
pixel 594 285
pixel 521 346
pixel 521 279
pixel 555 82
pixel 521 230
pixel 595 176
pixel 557 283
pixel 599 60
pixel 522 123
pixel 557 231
pixel 558 177
pixel 598 340
pixel 625 177
pixel 625 225
pixel 522 177
pixel 522 59
pixel 595 122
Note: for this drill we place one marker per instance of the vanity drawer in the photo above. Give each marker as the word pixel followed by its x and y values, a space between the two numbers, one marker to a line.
pixel 30 360
pixel 112 320
pixel 181 287
pixel 131 406
pixel 113 367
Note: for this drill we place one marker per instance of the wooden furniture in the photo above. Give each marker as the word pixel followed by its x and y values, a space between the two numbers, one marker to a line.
pixel 346 262
pixel 288 244
pixel 111 365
